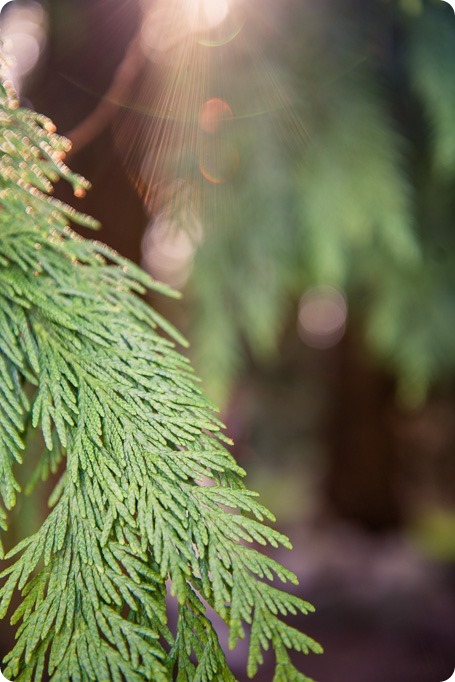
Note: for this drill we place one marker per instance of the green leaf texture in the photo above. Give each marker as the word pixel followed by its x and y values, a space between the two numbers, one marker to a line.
pixel 150 495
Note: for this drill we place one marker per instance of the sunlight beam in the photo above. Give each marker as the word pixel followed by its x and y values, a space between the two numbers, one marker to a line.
pixel 207 14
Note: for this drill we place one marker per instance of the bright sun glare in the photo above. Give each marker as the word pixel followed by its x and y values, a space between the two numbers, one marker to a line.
pixel 182 141
pixel 215 11
pixel 206 14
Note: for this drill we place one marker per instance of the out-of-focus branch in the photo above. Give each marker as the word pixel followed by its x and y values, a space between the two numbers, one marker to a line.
pixel 112 100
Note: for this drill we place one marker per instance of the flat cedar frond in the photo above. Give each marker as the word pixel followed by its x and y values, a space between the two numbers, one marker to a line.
pixel 122 405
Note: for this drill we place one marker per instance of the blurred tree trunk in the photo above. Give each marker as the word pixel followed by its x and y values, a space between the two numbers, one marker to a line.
pixel 362 465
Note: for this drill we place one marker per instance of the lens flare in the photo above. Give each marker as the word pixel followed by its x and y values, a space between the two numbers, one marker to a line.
pixel 322 317
pixel 217 151
pixel 179 125
pixel 207 14
pixel 223 33
pixel 171 22
pixel 219 162
pixel 163 28
pixel 168 251
pixel 213 114
pixel 23 28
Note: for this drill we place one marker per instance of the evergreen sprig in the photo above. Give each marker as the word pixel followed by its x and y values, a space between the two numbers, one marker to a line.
pixel 150 494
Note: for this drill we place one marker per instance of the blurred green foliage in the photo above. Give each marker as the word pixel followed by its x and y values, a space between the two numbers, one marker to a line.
pixel 343 119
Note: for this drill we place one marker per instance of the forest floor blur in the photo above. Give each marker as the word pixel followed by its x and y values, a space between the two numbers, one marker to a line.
pixel 384 611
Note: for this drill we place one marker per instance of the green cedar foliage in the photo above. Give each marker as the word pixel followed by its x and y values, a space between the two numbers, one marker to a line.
pixel 150 493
